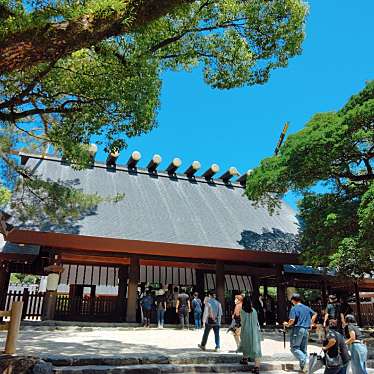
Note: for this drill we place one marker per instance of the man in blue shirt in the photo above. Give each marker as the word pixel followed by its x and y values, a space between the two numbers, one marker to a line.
pixel 300 319
pixel 212 320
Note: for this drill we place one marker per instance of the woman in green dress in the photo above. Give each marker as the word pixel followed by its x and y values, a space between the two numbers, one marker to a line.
pixel 250 336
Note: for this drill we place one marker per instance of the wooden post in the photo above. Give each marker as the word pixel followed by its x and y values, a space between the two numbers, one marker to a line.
pixel 220 285
pixel 265 288
pixel 25 299
pixel 134 275
pixel 123 274
pixel 13 329
pixel 281 296
pixel 4 284
pixel 49 305
pixel 200 286
pixel 255 292
pixel 358 304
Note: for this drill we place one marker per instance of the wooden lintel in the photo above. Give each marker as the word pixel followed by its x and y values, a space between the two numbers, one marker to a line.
pixel 80 242
pixel 81 257
pixel 93 260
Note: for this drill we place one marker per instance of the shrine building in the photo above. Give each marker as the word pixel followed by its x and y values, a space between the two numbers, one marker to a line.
pixel 176 226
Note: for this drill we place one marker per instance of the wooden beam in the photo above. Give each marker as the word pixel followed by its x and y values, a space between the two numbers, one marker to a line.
pixel 91 257
pixel 139 247
pixel 93 260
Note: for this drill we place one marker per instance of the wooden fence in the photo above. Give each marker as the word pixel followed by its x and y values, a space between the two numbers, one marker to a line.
pixel 32 303
pixel 102 308
pixel 367 312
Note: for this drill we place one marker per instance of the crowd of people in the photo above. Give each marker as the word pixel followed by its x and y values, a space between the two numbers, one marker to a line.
pixel 341 338
pixel 207 314
pixel 173 305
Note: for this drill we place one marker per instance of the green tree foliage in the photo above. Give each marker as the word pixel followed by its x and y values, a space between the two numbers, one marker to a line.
pixel 19 278
pixel 335 150
pixel 100 76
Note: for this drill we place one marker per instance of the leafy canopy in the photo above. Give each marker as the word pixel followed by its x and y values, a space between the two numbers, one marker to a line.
pixel 335 150
pixel 110 89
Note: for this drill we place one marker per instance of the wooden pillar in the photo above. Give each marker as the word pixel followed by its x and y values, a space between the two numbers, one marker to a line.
pixel 358 304
pixel 265 288
pixel 134 275
pixel 220 285
pixel 200 286
pixel 25 299
pixel 123 274
pixel 255 292
pixel 50 297
pixel 281 296
pixel 49 305
pixel 4 284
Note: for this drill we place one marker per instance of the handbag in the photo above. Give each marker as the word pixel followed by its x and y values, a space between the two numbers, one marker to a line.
pixel 315 363
pixel 333 362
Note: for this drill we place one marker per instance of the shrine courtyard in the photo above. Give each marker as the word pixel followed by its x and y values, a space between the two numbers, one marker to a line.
pixel 70 349
pixel 71 340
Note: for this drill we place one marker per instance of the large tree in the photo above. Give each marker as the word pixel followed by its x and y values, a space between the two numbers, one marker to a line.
pixel 334 152
pixel 73 70
pixel 39 31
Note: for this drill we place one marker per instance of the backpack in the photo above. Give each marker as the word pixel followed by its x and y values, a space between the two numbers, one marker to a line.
pixel 196 304
pixel 343 349
pixel 342 358
pixel 212 317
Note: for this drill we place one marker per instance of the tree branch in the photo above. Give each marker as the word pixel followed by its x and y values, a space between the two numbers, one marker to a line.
pixel 21 50
pixel 17 99
pixel 173 39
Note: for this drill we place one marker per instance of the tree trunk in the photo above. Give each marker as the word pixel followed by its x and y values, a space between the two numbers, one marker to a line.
pixel 53 41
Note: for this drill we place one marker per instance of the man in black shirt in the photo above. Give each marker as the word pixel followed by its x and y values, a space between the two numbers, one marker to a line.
pixel 183 308
pixel 333 312
pixel 335 346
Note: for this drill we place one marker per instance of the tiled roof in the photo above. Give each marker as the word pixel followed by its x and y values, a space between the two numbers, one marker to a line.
pixel 160 208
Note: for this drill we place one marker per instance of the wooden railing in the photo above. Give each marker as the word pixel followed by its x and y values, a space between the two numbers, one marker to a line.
pixel 367 312
pixel 94 309
pixel 32 303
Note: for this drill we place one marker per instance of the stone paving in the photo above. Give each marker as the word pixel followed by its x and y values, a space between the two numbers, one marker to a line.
pixel 108 341
pixel 101 342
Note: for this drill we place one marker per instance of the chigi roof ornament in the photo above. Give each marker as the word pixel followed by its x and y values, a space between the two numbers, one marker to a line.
pixel 111 160
pixel 133 160
pixel 243 178
pixel 208 175
pixel 154 163
pixel 174 165
pixel 92 150
pixel 194 167
pixel 229 174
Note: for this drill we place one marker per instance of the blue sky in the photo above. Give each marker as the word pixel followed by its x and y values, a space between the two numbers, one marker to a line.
pixel 240 127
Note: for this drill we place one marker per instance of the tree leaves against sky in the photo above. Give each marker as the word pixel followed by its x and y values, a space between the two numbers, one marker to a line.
pixel 111 89
pixel 335 150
